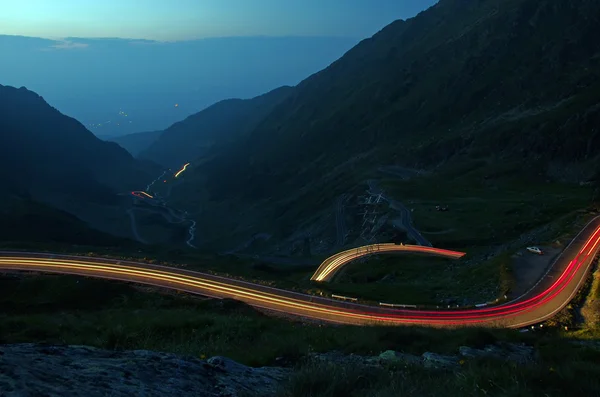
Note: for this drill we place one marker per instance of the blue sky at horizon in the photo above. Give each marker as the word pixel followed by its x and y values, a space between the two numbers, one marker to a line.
pixel 172 20
pixel 252 47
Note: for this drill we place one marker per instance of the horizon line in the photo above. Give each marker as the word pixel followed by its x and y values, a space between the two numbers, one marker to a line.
pixel 263 36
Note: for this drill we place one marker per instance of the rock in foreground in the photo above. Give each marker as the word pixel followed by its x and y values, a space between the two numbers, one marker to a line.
pixel 32 370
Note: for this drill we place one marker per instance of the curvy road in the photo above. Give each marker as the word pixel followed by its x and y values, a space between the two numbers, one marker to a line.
pixel 332 265
pixel 546 298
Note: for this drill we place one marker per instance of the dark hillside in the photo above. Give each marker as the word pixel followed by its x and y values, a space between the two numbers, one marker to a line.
pixel 40 147
pixel 489 79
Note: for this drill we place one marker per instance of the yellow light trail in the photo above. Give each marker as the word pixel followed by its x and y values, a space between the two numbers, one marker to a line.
pixel 163 279
pixel 181 170
pixel 334 263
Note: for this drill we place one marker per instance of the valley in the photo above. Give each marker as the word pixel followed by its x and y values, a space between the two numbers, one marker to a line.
pixel 421 215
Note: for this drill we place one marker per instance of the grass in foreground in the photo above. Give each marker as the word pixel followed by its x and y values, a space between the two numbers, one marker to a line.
pixel 575 373
pixel 113 315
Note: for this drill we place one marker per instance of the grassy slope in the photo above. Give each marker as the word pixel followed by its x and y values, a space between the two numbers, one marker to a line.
pixel 487 206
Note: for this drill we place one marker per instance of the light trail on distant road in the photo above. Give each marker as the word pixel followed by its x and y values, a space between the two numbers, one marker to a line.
pixel 140 194
pixel 181 170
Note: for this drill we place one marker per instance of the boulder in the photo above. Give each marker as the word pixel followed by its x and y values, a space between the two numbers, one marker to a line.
pixel 434 360
pixel 394 357
pixel 506 351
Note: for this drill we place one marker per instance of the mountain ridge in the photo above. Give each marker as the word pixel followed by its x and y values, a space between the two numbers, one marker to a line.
pixel 219 124
pixel 51 159
pixel 377 93
pixel 50 136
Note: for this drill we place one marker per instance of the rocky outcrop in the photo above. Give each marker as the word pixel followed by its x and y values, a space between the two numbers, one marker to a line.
pixel 394 357
pixel 53 371
pixel 38 370
pixel 426 360
pixel 517 353
pixel 505 352
pixel 433 360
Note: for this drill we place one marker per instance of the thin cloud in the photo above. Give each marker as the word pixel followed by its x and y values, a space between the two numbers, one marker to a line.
pixel 144 42
pixel 67 45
